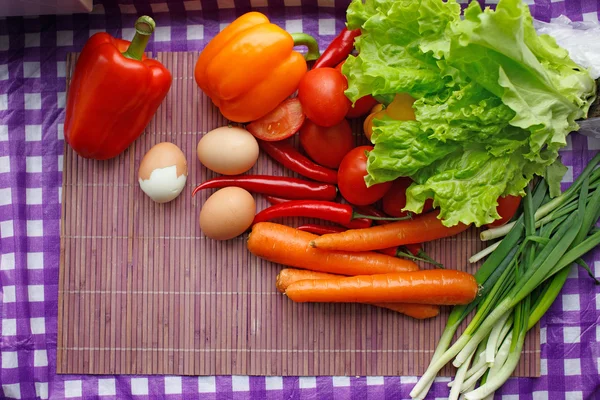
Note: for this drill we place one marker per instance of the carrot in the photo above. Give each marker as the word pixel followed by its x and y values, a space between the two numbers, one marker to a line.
pixel 416 311
pixel 422 228
pixel 287 276
pixel 442 287
pixel 285 245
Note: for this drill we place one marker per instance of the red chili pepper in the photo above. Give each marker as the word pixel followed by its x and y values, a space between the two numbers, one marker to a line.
pixel 321 229
pixel 338 49
pixel 289 157
pixel 415 248
pixel 272 200
pixel 390 251
pixel 342 214
pixel 374 212
pixel 279 186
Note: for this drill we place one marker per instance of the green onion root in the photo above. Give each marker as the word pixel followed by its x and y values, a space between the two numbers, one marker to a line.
pixel 497 379
pixel 460 378
pixel 478 256
pixel 492 343
pixel 436 365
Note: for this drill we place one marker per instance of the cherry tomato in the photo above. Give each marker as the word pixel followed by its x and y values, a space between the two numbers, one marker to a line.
pixel 362 105
pixel 395 198
pixel 507 207
pixel 351 179
pixel 279 124
pixel 326 146
pixel 321 92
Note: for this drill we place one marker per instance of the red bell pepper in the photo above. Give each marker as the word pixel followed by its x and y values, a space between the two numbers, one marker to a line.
pixel 114 92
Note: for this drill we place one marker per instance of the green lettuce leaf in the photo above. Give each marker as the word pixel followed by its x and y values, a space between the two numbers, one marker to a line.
pixel 390 59
pixel 501 51
pixel 402 148
pixel 469 180
pixel 554 175
pixel 494 101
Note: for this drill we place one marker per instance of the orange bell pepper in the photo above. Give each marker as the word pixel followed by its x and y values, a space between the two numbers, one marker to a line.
pixel 250 67
pixel 114 93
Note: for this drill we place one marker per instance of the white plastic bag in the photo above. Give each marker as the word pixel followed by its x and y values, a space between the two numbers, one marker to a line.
pixel 580 39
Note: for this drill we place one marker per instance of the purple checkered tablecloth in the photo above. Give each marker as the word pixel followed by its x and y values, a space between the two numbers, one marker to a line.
pixel 32 102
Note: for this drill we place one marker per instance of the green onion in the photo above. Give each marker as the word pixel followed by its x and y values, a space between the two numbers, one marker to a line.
pixel 545 300
pixel 519 280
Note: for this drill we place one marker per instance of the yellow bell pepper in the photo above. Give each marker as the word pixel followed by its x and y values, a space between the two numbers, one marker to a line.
pixel 399 109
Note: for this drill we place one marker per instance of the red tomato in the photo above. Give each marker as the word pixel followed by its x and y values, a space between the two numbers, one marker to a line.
pixel 280 123
pixel 363 105
pixel 326 146
pixel 321 92
pixel 395 198
pixel 351 179
pixel 507 207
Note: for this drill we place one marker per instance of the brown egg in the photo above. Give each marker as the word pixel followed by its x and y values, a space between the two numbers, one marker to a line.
pixel 228 150
pixel 227 213
pixel 163 172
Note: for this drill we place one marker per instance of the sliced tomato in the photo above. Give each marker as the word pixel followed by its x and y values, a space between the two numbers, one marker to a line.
pixel 507 207
pixel 279 124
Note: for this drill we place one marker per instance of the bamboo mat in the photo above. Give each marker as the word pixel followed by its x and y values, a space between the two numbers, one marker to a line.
pixel 142 291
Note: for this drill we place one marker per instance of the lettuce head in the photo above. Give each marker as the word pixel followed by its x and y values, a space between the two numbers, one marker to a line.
pixel 494 101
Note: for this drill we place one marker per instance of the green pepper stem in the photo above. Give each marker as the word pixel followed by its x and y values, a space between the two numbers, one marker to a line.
pixel 144 26
pixel 303 39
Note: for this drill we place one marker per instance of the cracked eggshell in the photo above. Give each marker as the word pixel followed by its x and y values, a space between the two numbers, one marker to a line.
pixel 163 172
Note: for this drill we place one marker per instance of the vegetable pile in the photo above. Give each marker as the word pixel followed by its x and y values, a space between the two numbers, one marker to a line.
pixel 464 114
pixel 331 187
pixel 494 101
